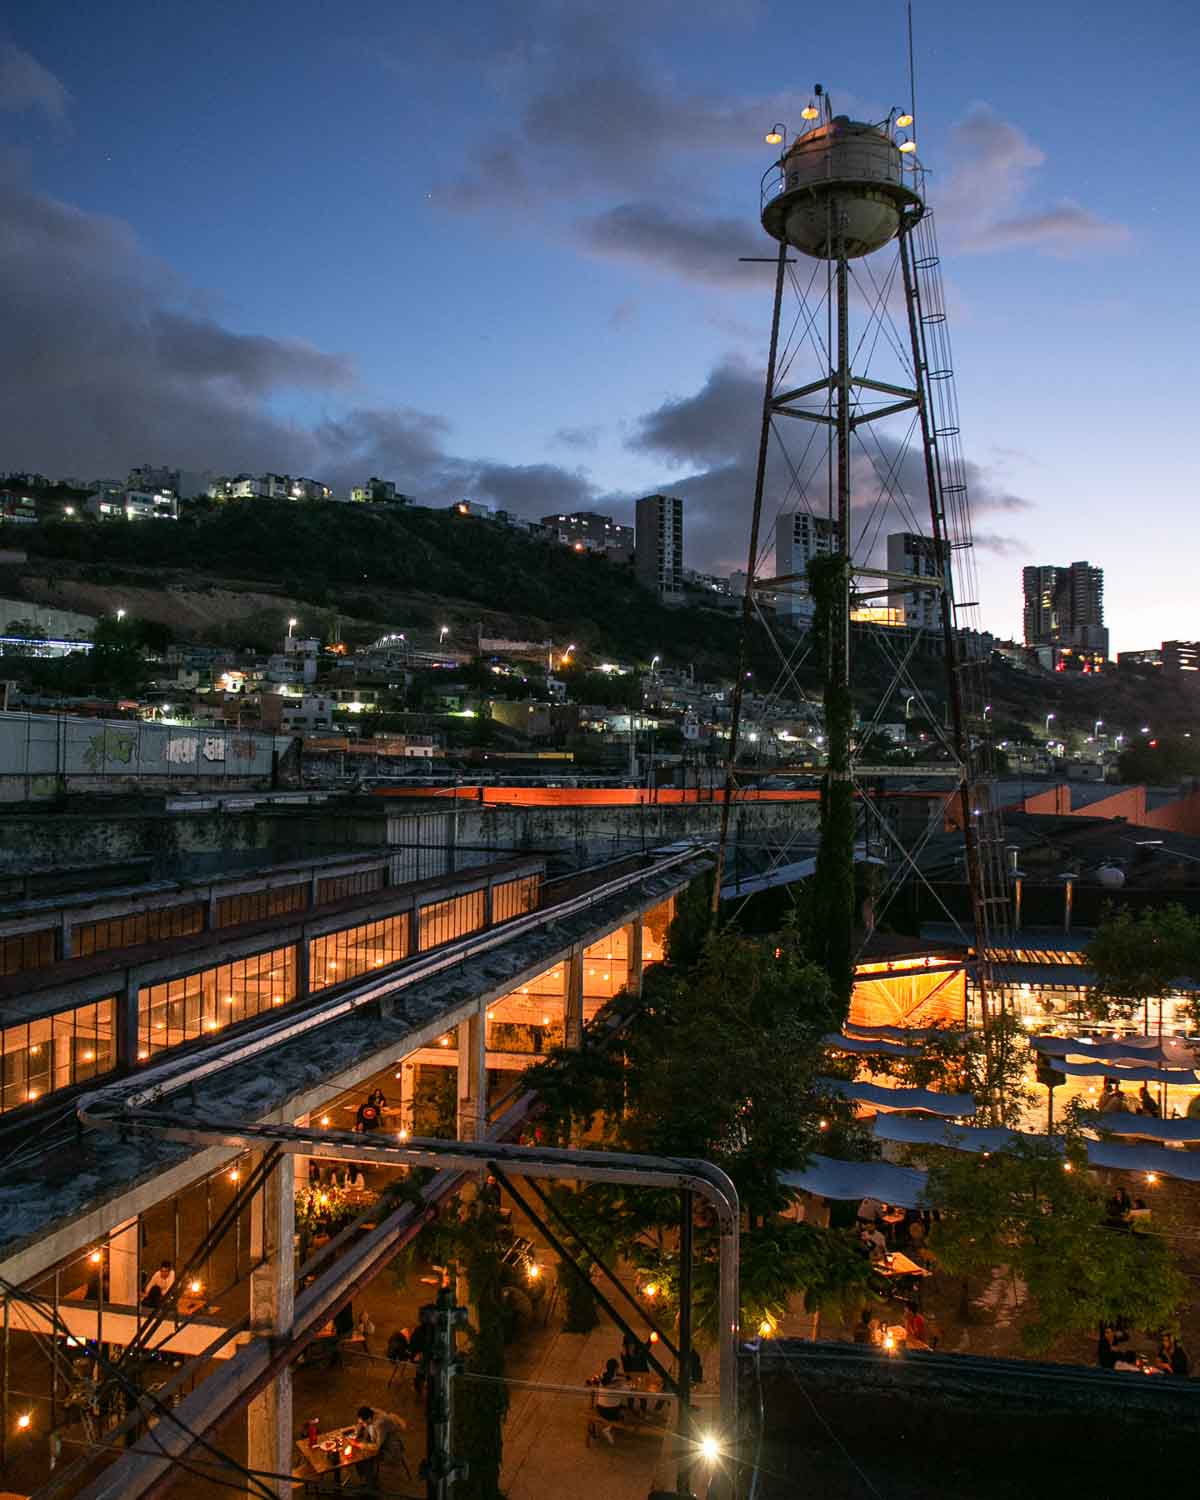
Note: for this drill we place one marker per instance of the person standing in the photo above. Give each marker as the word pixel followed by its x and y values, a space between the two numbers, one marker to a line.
pixel 159 1285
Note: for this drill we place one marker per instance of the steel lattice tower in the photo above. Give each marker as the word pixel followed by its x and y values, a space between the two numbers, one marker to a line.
pixel 849 197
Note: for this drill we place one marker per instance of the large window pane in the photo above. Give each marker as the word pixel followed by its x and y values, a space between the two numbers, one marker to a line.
pixel 352 951
pixel 53 1052
pixel 202 1004
pixel 443 921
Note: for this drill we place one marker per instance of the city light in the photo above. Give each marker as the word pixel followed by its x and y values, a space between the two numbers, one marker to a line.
pixel 710 1449
pixel 120 614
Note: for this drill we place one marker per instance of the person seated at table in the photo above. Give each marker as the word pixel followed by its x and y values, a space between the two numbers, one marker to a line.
pixel 875 1241
pixel 1148 1102
pixel 1106 1347
pixel 610 1397
pixel 377 1098
pixel 915 1329
pixel 1172 1357
pixel 867 1331
pixel 159 1285
pixel 1114 1102
pixel 357 1181
pixel 384 1430
pixel 869 1210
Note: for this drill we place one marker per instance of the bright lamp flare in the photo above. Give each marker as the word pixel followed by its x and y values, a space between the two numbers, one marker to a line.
pixel 710 1449
pixel 810 111
pixel 774 136
pixel 903 120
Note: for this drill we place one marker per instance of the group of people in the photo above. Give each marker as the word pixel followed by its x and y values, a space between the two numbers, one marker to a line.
pixel 370 1112
pixel 1171 1359
pixel 1114 1102
pixel 350 1177
pixel 1121 1210
pixel 881 1225
pixel 631 1374
pixel 411 1345
pixel 917 1335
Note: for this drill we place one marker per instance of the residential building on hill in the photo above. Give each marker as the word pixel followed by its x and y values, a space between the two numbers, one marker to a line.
pixel 799 538
pixel 1064 606
pixel 911 552
pixel 658 553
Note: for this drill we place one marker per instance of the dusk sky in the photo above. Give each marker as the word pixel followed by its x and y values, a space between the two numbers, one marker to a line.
pixel 491 250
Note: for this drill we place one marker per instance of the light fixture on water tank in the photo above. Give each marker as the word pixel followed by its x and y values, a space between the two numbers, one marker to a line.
pixel 810 111
pixel 909 145
pixel 774 136
pixel 904 119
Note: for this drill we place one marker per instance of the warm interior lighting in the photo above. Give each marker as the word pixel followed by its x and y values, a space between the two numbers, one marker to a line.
pixel 653 1337
pixel 195 1287
pixel 908 145
pixel 534 1270
pixel 402 1134
pixel 443 1041
pixel 774 136
pixel 1151 1178
pixel 766 1328
pixel 709 1447
pixel 889 1342
pixel 235 1175
pixel 1067 1167
pixel 24 1420
pixel 905 119
pixel 324 1119
pixel 651 1290
pixel 88 1056
pixel 96 1257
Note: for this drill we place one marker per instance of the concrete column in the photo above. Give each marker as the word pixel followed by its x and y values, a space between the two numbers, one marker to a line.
pixel 303 1121
pixel 272 1307
pixel 472 1076
pixel 302 977
pixel 573 1001
pixel 633 935
pixel 123 1286
pixel 66 943
pixel 127 1023
pixel 408 1087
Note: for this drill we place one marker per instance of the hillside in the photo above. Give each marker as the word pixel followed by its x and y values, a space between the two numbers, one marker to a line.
pixel 233 573
pixel 399 569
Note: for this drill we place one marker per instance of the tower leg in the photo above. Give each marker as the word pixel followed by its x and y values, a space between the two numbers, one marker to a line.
pixel 272 1305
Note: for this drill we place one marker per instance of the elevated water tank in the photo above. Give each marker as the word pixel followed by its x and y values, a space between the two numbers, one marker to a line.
pixel 839 188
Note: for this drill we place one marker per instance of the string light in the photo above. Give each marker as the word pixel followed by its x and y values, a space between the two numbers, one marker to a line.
pixel 24 1420
pixel 96 1257
pixel 1151 1178
pixel 235 1175
pixel 195 1287
pixel 651 1290
pixel 534 1270
pixel 324 1119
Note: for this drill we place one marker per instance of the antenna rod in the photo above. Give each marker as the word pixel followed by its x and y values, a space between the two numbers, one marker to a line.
pixel 912 74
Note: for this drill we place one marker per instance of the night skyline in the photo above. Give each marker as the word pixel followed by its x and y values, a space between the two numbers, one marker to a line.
pixel 496 255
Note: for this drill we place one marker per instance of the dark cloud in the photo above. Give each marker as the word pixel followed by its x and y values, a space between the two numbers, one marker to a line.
pixel 703 248
pixel 105 365
pixel 984 205
pixel 708 444
pixel 999 546
pixel 26 84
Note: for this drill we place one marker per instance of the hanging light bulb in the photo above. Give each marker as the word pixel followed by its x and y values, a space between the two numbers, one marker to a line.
pixel 774 136
pixel 810 111
pixel 904 119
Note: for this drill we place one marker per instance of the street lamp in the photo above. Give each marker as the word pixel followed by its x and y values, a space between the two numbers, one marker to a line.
pixel 120 614
pixel 908 703
pixel 443 633
pixel 1145 729
pixel 987 712
pixel 292 623
pixel 1099 725
pixel 1048 718
pixel 654 661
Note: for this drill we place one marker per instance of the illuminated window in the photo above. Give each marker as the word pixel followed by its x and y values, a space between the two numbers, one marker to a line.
pixel 530 1019
pixel 55 1052
pixel 443 921
pixel 202 1004
pixel 343 955
pixel 257 906
pixel 136 928
pixel 606 966
pixel 28 950
pixel 341 887
pixel 654 931
pixel 513 897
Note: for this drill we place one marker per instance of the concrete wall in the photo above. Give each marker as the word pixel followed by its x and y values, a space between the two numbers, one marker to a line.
pixel 42 756
pixel 64 624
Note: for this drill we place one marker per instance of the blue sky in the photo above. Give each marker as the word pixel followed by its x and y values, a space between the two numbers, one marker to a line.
pixel 492 250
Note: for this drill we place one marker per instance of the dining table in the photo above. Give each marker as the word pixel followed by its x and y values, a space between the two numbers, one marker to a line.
pixel 336 1452
pixel 898 1264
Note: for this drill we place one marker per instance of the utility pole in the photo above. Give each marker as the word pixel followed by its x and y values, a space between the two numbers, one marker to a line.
pixel 443 1318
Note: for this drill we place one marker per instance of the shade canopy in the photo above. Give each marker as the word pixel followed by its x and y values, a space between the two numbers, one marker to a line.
pixel 854 1180
pixel 1168 1051
pixel 950 1105
pixel 1150 1129
pixel 868 1044
pixel 906 1034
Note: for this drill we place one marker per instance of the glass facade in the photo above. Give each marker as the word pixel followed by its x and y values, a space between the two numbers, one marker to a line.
pixel 511 898
pixel 606 966
pixel 342 887
pixel 530 1019
pixel 180 1010
pixel 137 927
pixel 28 950
pixel 56 1051
pixel 357 950
pixel 654 931
pixel 257 906
pixel 443 921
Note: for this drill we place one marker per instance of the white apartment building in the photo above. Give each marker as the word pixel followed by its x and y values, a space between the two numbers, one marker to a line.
pixel 799 538
pixel 910 552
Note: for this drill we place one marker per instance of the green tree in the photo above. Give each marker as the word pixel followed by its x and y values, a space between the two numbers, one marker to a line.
pixel 1141 957
pixel 1032 1209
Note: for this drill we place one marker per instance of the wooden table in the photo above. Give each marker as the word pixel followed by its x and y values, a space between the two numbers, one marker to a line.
pixel 898 1264
pixel 336 1463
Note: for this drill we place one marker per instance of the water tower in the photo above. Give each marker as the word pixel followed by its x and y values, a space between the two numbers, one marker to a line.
pixel 867 349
